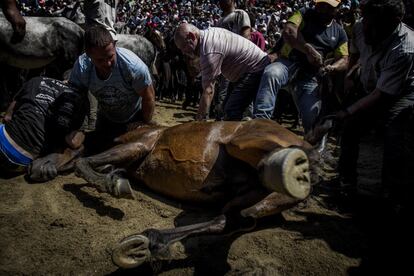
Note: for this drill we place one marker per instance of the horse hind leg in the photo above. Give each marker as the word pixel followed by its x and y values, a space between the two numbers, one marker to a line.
pixel 286 173
pixel 272 204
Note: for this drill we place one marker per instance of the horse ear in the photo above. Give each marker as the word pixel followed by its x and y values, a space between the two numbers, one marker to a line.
pixel 192 36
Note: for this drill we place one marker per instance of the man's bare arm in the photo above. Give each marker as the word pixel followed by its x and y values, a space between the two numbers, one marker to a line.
pixel 363 104
pixel 205 101
pixel 245 32
pixel 294 38
pixel 9 112
pixel 148 103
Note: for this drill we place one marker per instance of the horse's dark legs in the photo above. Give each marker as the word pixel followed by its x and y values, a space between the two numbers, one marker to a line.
pixel 273 204
pixel 48 167
pixel 112 182
pixel 132 251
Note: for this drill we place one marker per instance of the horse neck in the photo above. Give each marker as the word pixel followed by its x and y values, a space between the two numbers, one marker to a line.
pixel 156 38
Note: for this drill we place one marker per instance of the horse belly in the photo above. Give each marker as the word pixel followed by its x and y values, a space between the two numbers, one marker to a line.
pixel 24 62
pixel 180 179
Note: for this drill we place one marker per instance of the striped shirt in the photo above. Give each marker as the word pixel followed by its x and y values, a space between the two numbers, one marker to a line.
pixel 388 67
pixel 224 52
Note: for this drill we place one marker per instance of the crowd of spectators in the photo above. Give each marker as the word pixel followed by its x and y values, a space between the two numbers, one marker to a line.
pixel 134 16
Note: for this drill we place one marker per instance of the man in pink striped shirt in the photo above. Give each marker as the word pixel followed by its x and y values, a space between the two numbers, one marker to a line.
pixel 224 52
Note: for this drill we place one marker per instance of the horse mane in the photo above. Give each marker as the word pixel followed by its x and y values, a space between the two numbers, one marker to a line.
pixel 137 132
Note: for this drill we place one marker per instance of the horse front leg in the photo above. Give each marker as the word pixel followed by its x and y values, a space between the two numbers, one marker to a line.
pixel 48 167
pixel 134 250
pixel 111 182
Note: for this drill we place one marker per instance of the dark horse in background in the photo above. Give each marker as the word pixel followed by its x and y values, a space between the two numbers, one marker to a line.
pixel 174 74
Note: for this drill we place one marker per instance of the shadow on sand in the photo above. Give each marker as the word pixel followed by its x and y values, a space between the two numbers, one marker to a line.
pixel 92 202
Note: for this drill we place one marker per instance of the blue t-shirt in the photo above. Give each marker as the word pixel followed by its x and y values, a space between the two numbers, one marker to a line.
pixel 117 96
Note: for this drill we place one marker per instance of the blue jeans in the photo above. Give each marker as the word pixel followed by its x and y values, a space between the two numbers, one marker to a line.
pixel 307 99
pixel 275 76
pixel 305 95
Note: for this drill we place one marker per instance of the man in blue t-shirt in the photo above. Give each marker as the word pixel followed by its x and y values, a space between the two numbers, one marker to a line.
pixel 121 83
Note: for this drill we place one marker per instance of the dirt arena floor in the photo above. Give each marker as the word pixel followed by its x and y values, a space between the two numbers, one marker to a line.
pixel 65 227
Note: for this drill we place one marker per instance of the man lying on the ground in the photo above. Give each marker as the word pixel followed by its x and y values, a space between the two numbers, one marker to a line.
pixel 41 120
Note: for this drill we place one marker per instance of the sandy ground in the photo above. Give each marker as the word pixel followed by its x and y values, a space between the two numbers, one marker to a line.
pixel 65 227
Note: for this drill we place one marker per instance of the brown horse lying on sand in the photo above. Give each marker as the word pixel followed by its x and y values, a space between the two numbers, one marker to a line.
pixel 254 169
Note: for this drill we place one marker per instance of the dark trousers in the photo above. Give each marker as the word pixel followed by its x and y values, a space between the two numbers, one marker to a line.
pixel 240 95
pixel 102 138
pixel 220 97
pixel 397 119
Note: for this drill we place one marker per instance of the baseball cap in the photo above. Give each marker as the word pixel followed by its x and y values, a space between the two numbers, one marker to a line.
pixel 333 3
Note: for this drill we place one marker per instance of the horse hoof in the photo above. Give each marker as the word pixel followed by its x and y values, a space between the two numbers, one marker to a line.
pixel 122 189
pixel 287 171
pixel 131 251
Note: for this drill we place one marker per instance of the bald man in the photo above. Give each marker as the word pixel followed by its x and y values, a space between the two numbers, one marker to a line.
pixel 224 52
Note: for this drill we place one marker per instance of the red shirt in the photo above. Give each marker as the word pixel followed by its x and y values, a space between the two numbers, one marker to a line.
pixel 258 39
